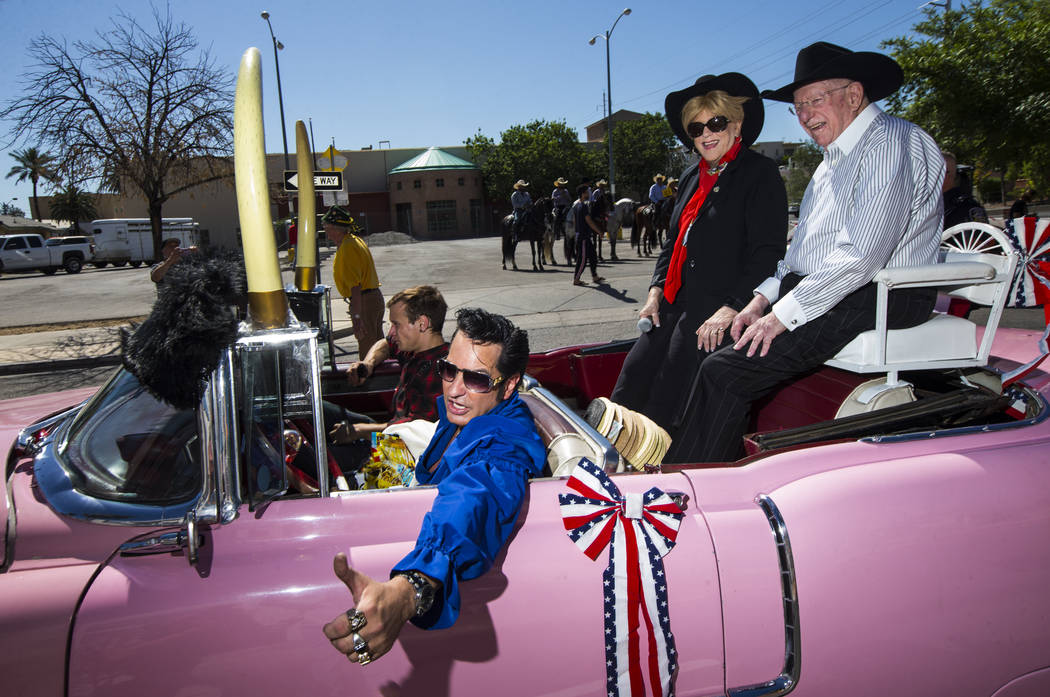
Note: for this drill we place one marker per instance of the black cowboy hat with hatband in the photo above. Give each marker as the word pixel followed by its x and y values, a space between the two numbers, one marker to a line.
pixel 880 75
pixel 337 216
pixel 734 84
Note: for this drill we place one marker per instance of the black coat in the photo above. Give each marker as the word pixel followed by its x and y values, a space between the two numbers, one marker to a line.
pixel 739 235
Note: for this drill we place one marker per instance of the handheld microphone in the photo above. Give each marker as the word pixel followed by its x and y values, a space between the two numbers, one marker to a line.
pixel 645 325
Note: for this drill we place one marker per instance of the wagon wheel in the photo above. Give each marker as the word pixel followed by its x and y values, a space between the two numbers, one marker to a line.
pixel 976 238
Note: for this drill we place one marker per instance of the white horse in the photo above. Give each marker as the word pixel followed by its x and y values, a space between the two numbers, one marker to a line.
pixel 622 215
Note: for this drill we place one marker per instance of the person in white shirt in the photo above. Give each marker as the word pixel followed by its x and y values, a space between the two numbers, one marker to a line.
pixel 874 202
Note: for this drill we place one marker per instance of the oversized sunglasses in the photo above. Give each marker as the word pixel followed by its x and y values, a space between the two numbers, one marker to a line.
pixel 473 380
pixel 716 124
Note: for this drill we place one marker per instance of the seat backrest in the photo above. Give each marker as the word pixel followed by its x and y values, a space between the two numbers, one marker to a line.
pixel 983 243
pixel 985 293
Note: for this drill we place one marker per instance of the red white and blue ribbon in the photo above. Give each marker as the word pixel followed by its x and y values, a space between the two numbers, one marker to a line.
pixel 639 530
pixel 1031 284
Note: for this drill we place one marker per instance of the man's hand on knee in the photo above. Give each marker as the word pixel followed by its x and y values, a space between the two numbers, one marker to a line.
pixel 760 335
pixel 751 313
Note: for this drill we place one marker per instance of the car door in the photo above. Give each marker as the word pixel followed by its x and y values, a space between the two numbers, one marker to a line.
pixel 17 254
pixel 248 618
pixel 920 566
pixel 39 255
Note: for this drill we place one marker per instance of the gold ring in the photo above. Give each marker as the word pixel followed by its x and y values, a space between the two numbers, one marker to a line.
pixel 364 658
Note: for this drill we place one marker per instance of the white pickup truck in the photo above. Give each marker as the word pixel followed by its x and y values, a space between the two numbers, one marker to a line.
pixel 28 252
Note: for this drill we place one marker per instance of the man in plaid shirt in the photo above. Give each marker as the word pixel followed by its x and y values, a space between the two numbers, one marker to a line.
pixel 415 342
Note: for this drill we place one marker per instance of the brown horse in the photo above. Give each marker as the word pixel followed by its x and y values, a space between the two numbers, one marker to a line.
pixel 650 226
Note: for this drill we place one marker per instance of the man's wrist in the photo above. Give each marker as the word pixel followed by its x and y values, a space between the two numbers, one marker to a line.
pixel 421 591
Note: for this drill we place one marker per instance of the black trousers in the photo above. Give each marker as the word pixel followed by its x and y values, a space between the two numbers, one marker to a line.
pixel 585 254
pixel 660 367
pixel 729 382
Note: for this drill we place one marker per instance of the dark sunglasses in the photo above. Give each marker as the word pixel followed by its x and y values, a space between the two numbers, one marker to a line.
pixel 473 380
pixel 716 124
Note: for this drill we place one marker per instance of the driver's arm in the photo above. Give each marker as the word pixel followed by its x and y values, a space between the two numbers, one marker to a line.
pixel 379 352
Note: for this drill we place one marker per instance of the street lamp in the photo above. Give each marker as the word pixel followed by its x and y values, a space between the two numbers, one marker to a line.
pixel 608 92
pixel 280 97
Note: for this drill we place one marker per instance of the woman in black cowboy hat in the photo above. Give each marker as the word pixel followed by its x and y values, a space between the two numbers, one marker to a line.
pixel 728 229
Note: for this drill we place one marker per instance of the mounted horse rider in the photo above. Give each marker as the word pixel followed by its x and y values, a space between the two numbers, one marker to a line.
pixel 520 202
pixel 656 191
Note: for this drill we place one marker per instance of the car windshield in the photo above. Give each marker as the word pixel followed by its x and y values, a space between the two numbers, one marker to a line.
pixel 126 445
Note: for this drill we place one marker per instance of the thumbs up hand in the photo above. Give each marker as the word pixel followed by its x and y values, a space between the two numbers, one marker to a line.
pixel 369 629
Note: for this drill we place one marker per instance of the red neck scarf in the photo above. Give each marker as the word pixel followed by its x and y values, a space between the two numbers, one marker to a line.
pixel 705 183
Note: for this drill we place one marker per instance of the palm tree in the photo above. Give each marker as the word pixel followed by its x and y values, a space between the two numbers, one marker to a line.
pixel 34 166
pixel 73 204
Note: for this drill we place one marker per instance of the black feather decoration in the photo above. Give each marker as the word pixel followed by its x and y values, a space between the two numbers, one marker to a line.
pixel 194 319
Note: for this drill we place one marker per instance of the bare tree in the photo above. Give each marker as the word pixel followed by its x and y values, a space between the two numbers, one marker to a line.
pixel 132 108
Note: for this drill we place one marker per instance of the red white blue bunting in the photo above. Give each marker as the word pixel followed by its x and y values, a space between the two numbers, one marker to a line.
pixel 639 530
pixel 1031 284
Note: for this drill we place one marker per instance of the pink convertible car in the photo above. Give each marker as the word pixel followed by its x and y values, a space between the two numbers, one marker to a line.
pixel 887 533
pixel 882 537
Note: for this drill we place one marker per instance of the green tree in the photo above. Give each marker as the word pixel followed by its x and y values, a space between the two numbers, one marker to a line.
pixel 801 165
pixel 143 106
pixel 34 166
pixel 11 209
pixel 977 82
pixel 538 152
pixel 73 204
pixel 642 149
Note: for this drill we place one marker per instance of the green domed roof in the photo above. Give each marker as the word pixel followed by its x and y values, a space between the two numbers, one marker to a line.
pixel 432 159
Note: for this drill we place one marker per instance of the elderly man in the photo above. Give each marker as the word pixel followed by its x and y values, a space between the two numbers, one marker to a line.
pixel 355 277
pixel 481 457
pixel 874 202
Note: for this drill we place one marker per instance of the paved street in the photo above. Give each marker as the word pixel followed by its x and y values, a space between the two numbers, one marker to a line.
pixel 468 272
pixel 554 312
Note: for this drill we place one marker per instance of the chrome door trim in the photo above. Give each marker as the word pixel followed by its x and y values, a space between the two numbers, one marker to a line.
pixel 788 678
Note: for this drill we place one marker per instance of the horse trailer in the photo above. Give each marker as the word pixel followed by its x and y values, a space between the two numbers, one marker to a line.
pixel 120 241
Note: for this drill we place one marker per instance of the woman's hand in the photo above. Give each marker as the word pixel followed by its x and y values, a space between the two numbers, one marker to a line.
pixel 713 331
pixel 651 309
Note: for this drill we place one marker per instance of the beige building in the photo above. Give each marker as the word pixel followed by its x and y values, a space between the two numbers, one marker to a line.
pixel 596 131
pixel 448 202
pixel 437 195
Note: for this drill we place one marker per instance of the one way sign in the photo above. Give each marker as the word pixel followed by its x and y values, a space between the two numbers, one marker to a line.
pixel 323 181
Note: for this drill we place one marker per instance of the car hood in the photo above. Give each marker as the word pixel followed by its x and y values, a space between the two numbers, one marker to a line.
pixel 15 415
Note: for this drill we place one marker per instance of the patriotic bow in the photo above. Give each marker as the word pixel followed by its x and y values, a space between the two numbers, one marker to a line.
pixel 641 528
pixel 1031 284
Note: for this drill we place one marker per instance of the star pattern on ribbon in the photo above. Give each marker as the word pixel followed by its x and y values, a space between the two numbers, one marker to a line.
pixel 1031 283
pixel 639 530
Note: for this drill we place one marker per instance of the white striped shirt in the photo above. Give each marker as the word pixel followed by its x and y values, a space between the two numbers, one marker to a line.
pixel 874 202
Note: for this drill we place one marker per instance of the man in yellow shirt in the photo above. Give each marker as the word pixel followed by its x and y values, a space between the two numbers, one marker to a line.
pixel 355 277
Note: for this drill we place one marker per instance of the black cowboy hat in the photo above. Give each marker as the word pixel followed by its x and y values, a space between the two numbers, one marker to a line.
pixel 732 83
pixel 880 75
pixel 337 216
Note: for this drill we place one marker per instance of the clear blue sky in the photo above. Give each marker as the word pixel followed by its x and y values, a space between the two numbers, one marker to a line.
pixel 421 73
